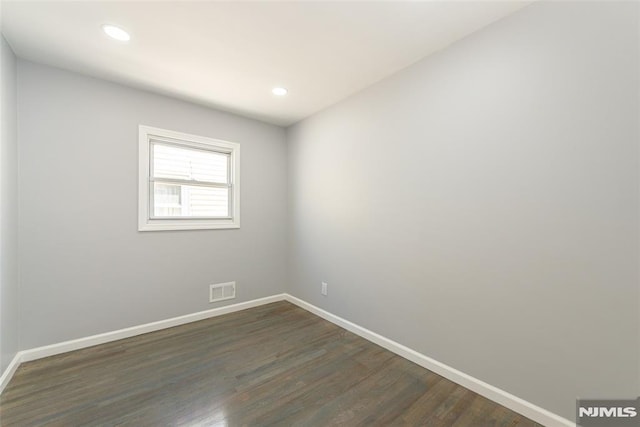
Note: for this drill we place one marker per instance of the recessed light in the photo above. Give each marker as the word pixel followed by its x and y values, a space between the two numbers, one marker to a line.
pixel 279 91
pixel 116 33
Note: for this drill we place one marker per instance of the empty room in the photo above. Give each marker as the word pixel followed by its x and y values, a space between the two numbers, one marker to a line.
pixel 320 213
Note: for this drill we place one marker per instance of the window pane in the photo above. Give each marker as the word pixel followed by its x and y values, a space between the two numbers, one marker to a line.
pixel 191 164
pixel 167 200
pixel 190 201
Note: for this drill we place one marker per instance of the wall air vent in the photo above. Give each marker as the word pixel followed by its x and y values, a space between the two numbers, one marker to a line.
pixel 222 291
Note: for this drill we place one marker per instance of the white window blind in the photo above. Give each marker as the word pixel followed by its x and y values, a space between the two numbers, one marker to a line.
pixel 190 164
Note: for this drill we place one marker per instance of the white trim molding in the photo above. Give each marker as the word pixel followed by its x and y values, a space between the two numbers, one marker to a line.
pixel 80 343
pixel 516 404
pixel 11 369
pixel 147 137
pixel 64 347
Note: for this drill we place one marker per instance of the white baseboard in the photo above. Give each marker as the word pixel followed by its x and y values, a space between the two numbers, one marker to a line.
pixel 495 394
pixel 63 347
pixel 516 404
pixel 80 343
pixel 11 369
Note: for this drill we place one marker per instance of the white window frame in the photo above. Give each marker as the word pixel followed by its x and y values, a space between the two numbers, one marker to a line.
pixel 146 222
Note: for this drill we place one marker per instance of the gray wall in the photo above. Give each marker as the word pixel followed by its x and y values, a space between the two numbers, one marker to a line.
pixel 9 332
pixel 481 206
pixel 85 269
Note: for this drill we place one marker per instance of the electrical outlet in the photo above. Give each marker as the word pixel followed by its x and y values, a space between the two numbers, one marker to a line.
pixel 324 289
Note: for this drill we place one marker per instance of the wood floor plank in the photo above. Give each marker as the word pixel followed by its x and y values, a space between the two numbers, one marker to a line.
pixel 274 365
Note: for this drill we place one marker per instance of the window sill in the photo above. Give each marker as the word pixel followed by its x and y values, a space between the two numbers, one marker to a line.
pixel 160 225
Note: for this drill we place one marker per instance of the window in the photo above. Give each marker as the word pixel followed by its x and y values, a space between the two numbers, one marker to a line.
pixel 187 182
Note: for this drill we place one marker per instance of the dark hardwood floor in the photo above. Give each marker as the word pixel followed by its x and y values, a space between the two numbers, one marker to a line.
pixel 271 365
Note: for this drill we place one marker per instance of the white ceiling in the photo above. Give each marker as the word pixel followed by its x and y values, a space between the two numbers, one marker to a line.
pixel 229 55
